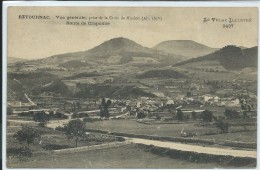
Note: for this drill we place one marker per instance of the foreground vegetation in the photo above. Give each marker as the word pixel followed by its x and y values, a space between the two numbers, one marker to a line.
pixel 29 140
pixel 130 156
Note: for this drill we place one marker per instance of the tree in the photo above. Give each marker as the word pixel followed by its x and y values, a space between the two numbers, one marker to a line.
pixel 75 129
pixel 194 115
pixel 223 126
pixel 41 117
pixel 141 114
pixel 27 134
pixel 179 115
pixel 104 112
pixel 231 114
pixel 207 116
pixel 243 106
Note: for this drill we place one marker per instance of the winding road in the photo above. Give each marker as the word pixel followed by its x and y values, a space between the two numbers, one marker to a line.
pixel 196 148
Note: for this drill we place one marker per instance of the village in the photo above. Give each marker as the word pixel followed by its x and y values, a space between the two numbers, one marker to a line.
pixel 201 120
pixel 143 107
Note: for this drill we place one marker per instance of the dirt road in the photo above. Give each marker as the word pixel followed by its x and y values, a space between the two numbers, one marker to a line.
pixel 196 148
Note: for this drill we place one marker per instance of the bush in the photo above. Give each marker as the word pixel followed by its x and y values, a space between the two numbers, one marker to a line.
pixel 60 128
pixel 41 117
pixel 223 126
pixel 231 114
pixel 141 115
pixel 207 116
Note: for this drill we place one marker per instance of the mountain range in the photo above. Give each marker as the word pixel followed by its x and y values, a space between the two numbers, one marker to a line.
pixel 114 47
pixel 167 52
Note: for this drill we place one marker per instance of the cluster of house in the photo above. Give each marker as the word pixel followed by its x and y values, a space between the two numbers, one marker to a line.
pixel 151 105
pixel 207 99
pixel 217 101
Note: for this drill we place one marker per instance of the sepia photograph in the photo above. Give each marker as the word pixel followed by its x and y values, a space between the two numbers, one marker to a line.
pixel 131 87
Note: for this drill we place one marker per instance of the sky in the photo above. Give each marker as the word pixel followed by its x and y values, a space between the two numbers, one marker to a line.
pixel 40 38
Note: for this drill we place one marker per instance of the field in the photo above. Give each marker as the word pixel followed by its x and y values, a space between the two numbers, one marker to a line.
pixel 171 130
pixel 53 140
pixel 130 156
pixel 132 126
pixel 241 136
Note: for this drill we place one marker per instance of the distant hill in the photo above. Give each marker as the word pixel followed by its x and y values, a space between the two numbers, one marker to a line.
pixel 123 47
pixel 35 82
pixel 187 48
pixel 230 57
pixel 118 46
pixel 165 73
pixel 11 60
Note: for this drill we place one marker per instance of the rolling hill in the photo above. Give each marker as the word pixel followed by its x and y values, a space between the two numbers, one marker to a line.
pixel 230 57
pixel 117 46
pixel 187 48
pixel 35 83
pixel 123 47
pixel 56 86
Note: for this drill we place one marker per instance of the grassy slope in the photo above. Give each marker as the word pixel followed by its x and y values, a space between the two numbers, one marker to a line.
pixel 230 57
